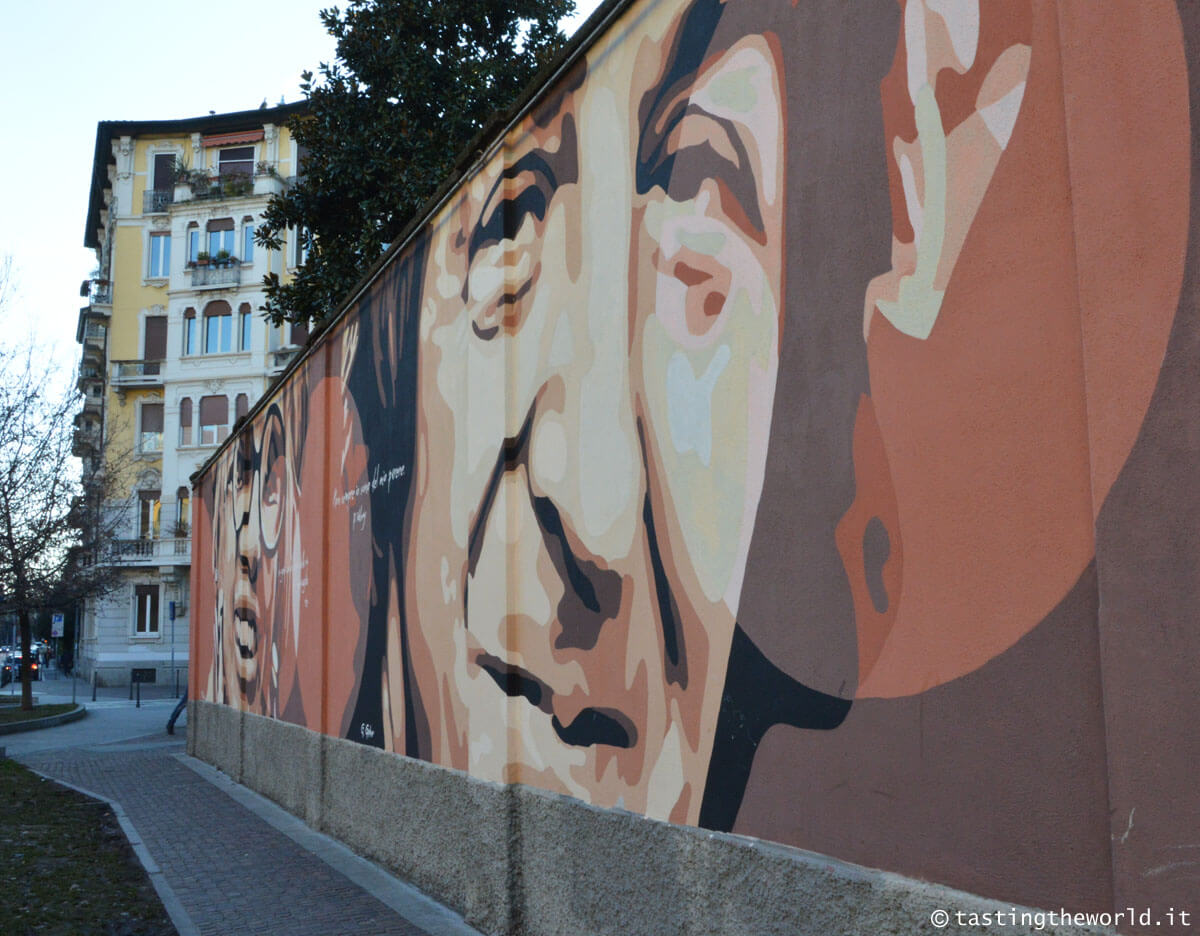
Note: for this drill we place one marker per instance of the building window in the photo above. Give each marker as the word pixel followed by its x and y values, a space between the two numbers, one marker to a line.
pixel 154 343
pixel 149 513
pixel 193 242
pixel 238 160
pixel 299 246
pixel 244 324
pixel 220 237
pixel 298 333
pixel 248 240
pixel 274 337
pixel 189 332
pixel 145 602
pixel 164 172
pixel 150 436
pixel 184 516
pixel 218 328
pixel 160 255
pixel 214 419
pixel 185 420
pixel 240 406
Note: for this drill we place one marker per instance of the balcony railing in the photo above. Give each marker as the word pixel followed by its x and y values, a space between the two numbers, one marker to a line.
pixel 94 331
pixel 137 373
pixel 146 552
pixel 216 275
pixel 155 201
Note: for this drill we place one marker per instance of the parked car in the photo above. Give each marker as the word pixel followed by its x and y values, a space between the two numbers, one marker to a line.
pixel 35 668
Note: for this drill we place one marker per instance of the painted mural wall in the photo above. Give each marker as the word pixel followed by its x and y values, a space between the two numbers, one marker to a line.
pixel 793 429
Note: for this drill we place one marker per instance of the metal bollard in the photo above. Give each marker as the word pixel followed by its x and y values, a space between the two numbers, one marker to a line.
pixel 139 693
pixel 93 685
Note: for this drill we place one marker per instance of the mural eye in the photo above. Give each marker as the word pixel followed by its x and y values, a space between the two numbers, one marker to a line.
pixel 520 194
pixel 504 248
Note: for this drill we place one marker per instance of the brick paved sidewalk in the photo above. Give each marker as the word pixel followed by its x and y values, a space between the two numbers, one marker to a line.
pixel 231 871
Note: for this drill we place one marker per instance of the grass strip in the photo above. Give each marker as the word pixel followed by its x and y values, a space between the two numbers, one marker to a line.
pixel 14 713
pixel 68 868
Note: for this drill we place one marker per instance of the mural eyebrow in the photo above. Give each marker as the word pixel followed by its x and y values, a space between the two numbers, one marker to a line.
pixel 501 214
pixel 681 173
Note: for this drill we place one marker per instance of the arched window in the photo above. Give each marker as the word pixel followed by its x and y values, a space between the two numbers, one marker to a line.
pixel 218 327
pixel 248 239
pixel 220 237
pixel 190 345
pixel 240 406
pixel 214 419
pixel 185 421
pixel 244 323
pixel 193 242
pixel 184 517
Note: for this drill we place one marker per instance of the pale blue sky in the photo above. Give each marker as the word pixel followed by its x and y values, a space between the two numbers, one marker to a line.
pixel 67 64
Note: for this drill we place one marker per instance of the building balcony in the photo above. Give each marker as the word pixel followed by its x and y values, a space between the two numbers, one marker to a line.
pixel 89 375
pixel 93 404
pixel 209 276
pixel 137 374
pixel 93 335
pixel 150 552
pixel 155 201
pixel 85 441
pixel 200 186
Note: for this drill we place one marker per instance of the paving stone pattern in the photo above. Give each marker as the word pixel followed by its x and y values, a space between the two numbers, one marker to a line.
pixel 232 871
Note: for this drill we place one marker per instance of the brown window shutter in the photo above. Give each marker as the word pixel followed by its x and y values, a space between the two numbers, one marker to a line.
pixel 152 417
pixel 218 307
pixel 156 337
pixel 221 224
pixel 241 405
pixel 214 411
pixel 185 411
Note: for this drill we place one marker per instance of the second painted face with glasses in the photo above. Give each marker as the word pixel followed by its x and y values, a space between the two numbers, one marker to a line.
pixel 251 525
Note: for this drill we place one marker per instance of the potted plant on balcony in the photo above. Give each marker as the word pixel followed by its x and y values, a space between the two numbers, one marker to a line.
pixel 203 259
pixel 183 180
pixel 221 259
pixel 267 180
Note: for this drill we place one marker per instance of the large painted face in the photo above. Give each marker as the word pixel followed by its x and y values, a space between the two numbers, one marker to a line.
pixel 599 338
pixel 248 524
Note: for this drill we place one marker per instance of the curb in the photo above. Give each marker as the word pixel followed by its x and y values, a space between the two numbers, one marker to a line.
pixel 50 721
pixel 179 916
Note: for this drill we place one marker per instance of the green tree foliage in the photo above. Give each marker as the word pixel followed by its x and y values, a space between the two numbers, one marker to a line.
pixel 414 82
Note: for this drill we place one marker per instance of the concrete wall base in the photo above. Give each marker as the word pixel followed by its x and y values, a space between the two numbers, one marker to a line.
pixel 518 860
